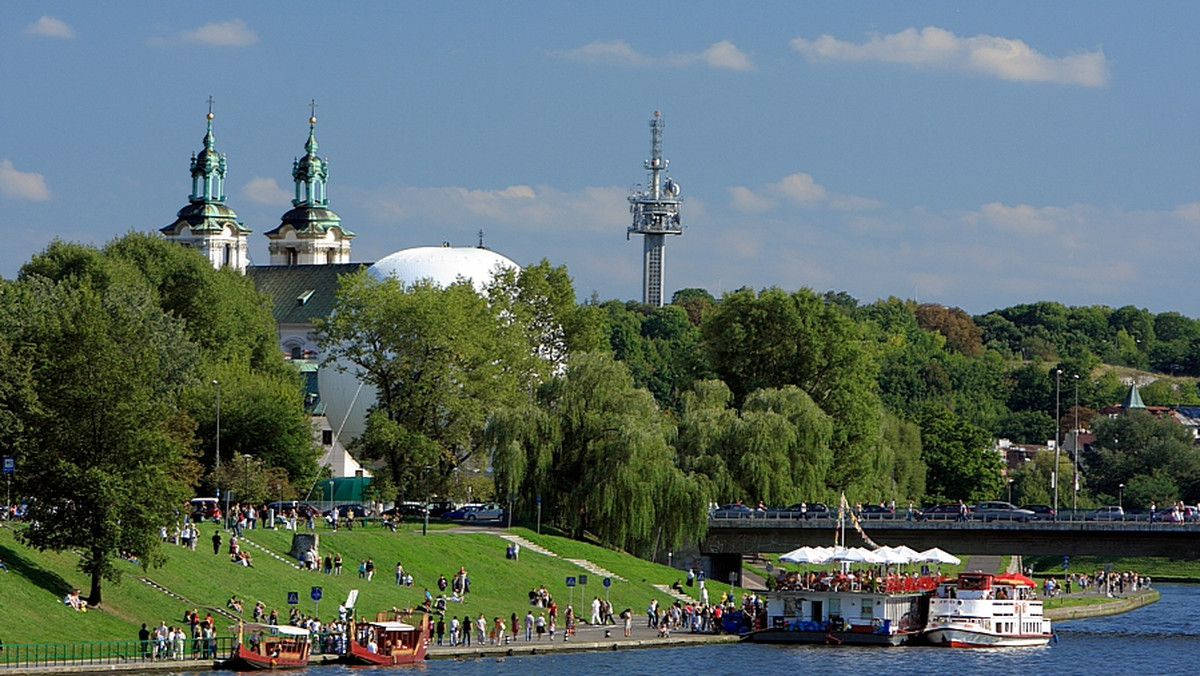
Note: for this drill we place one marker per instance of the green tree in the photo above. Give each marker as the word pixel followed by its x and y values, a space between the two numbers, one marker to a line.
pixel 596 450
pixel 774 339
pixel 1138 449
pixel 107 458
pixel 961 463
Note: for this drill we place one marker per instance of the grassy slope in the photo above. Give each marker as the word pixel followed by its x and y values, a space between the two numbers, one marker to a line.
pixel 31 610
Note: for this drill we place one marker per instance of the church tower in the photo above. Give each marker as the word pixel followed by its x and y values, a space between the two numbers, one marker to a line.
pixel 310 233
pixel 206 224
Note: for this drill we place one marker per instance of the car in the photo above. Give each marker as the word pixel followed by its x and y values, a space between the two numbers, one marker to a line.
pixel 203 508
pixel 949 511
pixel 1109 513
pixel 477 512
pixel 1172 515
pixel 302 509
pixel 998 510
pixel 810 510
pixel 440 508
pixel 877 512
pixel 359 511
pixel 413 509
pixel 735 510
pixel 1041 512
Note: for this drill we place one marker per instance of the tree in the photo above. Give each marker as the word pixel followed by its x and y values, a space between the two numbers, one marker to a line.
pixel 441 361
pixel 595 449
pixel 107 458
pixel 960 331
pixel 1138 449
pixel 961 463
pixel 774 339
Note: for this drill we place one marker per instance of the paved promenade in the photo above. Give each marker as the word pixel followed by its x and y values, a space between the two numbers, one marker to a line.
pixel 586 637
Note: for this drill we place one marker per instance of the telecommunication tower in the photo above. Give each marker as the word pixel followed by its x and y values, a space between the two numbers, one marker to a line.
pixel 655 210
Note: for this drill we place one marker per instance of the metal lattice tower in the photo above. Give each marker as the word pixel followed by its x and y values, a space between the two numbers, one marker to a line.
pixel 655 210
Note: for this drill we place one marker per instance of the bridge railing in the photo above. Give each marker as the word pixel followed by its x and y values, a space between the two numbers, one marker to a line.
pixel 20 656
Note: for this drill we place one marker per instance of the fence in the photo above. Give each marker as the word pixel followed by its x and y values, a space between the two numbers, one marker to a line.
pixel 99 653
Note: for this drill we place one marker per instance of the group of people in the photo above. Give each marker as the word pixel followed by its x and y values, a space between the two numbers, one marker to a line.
pixel 195 638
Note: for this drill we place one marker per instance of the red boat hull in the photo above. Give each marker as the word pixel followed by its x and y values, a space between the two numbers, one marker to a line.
pixel 360 655
pixel 245 658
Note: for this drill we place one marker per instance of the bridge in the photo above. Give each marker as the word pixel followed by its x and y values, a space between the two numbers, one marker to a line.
pixel 728 539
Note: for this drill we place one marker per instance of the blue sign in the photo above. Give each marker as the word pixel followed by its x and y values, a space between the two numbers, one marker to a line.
pixel 10 465
pixel 293 598
pixel 583 580
pixel 608 582
pixel 316 593
pixel 571 581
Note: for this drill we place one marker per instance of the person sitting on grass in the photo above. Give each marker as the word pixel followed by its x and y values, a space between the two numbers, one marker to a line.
pixel 75 601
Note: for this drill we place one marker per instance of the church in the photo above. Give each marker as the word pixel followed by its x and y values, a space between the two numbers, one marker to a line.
pixel 308 252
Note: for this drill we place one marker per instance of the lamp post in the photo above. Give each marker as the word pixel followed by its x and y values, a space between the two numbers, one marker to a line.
pixel 217 470
pixel 1054 473
pixel 1010 483
pixel 245 476
pixel 425 526
pixel 1121 496
pixel 1075 455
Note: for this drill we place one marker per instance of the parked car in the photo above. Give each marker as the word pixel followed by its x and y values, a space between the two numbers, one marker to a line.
pixel 1041 512
pixel 343 511
pixel 735 510
pixel 1109 513
pixel 302 509
pixel 477 512
pixel 412 509
pixel 998 510
pixel 440 508
pixel 944 512
pixel 877 512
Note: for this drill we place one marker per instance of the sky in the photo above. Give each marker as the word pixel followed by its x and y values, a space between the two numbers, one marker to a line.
pixel 976 155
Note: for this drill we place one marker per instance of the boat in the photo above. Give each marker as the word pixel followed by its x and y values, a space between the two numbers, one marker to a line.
pixel 388 642
pixel 841 609
pixel 981 610
pixel 269 646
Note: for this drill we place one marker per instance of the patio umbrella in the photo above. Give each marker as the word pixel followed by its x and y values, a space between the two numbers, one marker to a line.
pixel 814 555
pixel 935 555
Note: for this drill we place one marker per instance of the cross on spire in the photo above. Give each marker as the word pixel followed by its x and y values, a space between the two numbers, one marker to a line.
pixel 210 102
pixel 313 106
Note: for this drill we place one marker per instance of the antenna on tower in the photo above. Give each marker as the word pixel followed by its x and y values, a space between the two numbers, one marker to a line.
pixel 655 210
pixel 481 246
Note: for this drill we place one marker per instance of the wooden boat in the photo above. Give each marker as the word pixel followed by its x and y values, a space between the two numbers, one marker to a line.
pixel 269 646
pixel 388 642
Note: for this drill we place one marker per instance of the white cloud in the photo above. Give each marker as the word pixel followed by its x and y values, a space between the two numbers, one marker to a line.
pixel 1027 220
pixel 724 55
pixel 266 191
pixel 798 189
pixel 519 207
pixel 49 27
pixel 21 184
pixel 224 34
pixel 1004 58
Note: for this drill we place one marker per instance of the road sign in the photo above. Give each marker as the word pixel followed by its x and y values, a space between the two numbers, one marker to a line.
pixel 316 593
pixel 10 465
pixel 570 580
pixel 608 582
pixel 583 580
pixel 293 598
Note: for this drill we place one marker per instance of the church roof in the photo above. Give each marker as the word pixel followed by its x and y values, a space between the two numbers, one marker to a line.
pixel 300 293
pixel 1133 399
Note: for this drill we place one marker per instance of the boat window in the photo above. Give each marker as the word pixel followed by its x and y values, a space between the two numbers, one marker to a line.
pixel 868 608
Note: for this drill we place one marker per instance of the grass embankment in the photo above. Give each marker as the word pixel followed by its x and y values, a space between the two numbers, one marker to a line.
pixel 1157 568
pixel 31 609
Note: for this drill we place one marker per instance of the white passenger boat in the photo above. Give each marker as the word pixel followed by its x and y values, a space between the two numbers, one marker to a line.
pixel 828 613
pixel 980 610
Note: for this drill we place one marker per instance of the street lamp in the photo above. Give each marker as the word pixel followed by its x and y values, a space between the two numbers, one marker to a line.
pixel 1010 482
pixel 1075 455
pixel 425 526
pixel 1054 473
pixel 217 470
pixel 246 476
pixel 1121 496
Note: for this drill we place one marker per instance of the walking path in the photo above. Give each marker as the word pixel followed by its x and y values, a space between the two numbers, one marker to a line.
pixel 534 547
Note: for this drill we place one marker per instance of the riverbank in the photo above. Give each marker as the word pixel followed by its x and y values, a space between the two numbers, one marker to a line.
pixel 1103 606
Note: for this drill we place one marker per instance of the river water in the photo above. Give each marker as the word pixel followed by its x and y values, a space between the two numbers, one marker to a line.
pixel 1162 638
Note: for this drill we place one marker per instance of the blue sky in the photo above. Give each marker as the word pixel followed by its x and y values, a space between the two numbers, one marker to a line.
pixel 977 155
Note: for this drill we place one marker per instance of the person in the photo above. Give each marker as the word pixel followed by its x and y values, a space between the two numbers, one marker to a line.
pixel 481 629
pixel 540 625
pixel 516 627
pixel 529 621
pixel 337 563
pixel 466 630
pixel 144 639
pixel 328 564
pixel 691 577
pixel 216 540
pixel 595 619
pixel 441 629
pixel 400 574
pixel 627 620
pixel 370 568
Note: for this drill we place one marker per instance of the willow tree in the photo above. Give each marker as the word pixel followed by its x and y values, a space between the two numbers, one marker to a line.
pixel 596 451
pixel 775 449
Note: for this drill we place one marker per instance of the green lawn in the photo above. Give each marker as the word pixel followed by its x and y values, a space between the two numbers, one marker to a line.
pixel 32 590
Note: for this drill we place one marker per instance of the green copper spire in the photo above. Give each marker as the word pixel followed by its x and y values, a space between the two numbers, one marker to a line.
pixel 208 169
pixel 310 172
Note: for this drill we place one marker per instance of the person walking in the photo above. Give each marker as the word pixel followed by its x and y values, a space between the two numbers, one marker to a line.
pixel 216 540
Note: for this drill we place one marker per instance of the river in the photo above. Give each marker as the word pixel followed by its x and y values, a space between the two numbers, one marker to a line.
pixel 1162 638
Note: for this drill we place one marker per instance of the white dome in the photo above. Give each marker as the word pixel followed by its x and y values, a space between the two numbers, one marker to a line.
pixel 442 264
pixel 346 400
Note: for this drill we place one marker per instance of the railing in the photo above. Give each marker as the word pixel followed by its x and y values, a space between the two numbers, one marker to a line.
pixel 98 653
